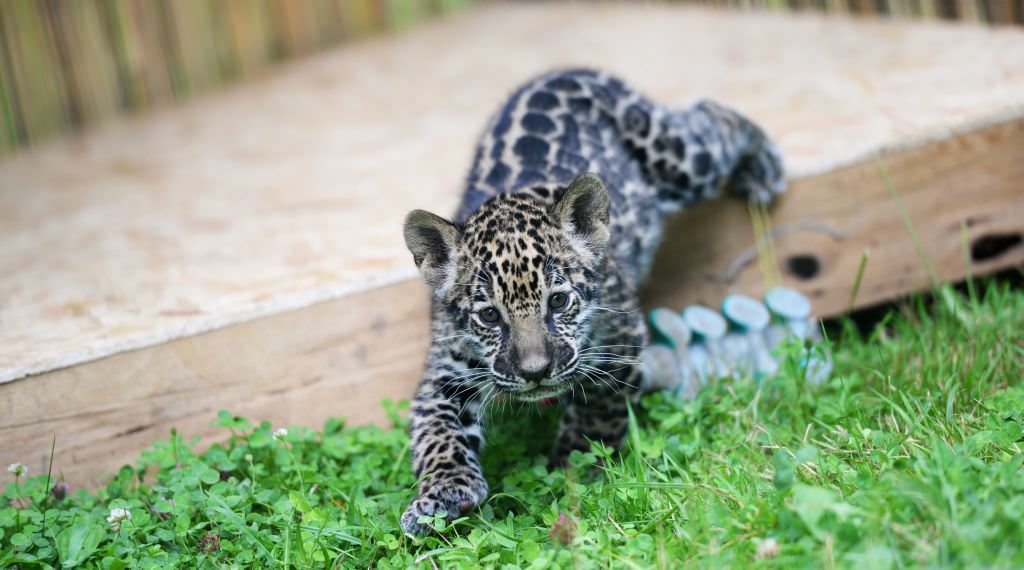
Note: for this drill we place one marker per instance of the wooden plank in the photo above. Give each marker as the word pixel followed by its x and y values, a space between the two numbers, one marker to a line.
pixel 338 358
pixel 342 357
pixel 976 179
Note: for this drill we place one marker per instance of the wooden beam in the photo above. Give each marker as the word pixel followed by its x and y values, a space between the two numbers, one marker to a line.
pixel 342 357
pixel 830 220
pixel 335 359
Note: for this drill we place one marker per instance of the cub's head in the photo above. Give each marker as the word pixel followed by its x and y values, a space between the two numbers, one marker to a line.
pixel 518 280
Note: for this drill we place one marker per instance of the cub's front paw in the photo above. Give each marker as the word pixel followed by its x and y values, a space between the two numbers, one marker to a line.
pixel 451 497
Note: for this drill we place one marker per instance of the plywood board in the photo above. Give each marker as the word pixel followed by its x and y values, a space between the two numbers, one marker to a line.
pixel 290 190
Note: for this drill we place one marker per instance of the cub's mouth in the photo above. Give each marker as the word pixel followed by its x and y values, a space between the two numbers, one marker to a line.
pixel 541 393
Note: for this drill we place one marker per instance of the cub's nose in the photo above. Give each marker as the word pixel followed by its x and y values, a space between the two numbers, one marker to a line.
pixel 535 368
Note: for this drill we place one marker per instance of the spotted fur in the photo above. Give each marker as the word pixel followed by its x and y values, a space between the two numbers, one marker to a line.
pixel 535 279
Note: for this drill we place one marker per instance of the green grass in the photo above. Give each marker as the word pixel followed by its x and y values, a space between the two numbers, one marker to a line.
pixel 909 456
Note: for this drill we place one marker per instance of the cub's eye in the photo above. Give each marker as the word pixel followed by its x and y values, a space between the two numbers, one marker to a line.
pixel 489 315
pixel 558 300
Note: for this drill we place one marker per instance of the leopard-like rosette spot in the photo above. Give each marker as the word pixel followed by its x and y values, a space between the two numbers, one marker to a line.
pixel 453 498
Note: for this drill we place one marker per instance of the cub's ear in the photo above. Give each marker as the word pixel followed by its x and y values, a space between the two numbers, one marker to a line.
pixel 432 241
pixel 583 213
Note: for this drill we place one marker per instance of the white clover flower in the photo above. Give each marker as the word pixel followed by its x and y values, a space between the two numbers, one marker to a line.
pixel 280 433
pixel 767 548
pixel 17 469
pixel 117 516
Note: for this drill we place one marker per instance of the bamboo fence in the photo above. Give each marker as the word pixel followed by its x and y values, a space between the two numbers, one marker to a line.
pixel 68 64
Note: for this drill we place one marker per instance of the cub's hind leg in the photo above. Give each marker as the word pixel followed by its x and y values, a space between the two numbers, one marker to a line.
pixel 702 151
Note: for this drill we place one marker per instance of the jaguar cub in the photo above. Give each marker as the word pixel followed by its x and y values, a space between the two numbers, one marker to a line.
pixel 535 279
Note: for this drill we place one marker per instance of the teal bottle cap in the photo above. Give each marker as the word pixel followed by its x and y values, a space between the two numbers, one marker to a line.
pixel 746 313
pixel 704 322
pixel 668 328
pixel 788 303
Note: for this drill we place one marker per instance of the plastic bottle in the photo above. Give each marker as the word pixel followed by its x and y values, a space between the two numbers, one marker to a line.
pixel 749 320
pixel 706 356
pixel 792 312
